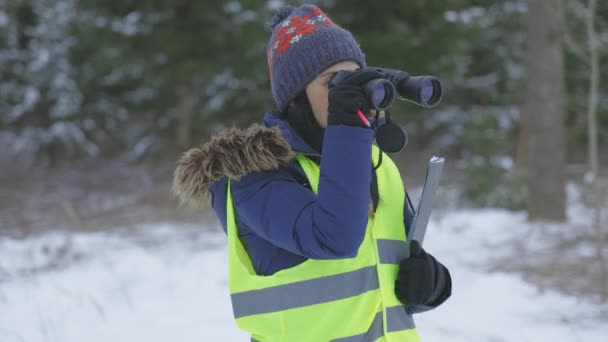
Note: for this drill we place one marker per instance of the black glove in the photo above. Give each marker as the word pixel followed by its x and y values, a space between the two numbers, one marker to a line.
pixel 422 280
pixel 348 96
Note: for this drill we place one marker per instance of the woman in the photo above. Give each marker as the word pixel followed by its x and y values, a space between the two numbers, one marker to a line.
pixel 316 225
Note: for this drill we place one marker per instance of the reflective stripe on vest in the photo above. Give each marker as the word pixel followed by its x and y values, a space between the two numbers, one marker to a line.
pixel 309 292
pixel 397 319
pixel 350 299
pixel 395 322
pixel 318 290
pixel 392 251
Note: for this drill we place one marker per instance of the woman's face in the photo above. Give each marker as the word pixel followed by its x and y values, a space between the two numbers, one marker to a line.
pixel 317 91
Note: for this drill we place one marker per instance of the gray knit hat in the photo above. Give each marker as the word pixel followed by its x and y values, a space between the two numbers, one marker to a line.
pixel 305 42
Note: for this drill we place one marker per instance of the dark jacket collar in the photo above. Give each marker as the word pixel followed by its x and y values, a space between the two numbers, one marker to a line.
pixel 295 141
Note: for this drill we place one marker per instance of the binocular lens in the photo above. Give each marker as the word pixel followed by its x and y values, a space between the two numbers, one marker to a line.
pixel 381 92
pixel 378 93
pixel 430 91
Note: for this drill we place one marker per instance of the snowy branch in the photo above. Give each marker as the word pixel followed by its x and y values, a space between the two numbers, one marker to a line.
pixel 582 13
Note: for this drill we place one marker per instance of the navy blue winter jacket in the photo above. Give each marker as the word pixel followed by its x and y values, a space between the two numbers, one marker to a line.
pixel 282 223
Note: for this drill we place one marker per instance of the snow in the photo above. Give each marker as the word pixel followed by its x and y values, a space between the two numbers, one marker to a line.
pixel 130 25
pixel 120 290
pixel 273 5
pixel 169 283
pixel 497 306
pixel 31 95
pixel 3 19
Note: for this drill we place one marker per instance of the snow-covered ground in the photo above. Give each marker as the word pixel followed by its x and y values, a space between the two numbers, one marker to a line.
pixel 172 286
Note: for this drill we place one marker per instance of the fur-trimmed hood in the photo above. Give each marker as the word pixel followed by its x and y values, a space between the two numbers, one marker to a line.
pixel 233 153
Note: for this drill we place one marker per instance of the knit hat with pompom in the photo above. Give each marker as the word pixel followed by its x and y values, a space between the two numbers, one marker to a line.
pixel 305 42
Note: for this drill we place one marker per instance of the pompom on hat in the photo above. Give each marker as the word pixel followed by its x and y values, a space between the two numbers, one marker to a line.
pixel 305 42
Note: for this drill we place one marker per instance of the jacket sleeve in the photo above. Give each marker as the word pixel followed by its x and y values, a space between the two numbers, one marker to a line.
pixel 330 225
pixel 218 200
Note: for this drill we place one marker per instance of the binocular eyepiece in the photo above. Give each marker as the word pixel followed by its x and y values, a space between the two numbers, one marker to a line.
pixel 425 91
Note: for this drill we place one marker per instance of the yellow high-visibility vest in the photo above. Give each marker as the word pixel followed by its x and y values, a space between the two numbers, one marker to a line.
pixel 345 300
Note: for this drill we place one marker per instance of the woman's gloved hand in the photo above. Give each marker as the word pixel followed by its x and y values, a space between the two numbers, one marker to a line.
pixel 348 96
pixel 422 280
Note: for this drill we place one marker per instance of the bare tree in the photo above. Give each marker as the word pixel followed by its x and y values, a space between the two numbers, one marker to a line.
pixel 544 111
pixel 594 85
pixel 591 58
pixel 594 165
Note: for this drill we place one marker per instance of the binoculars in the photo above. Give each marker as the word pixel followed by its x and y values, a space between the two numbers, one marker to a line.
pixel 424 91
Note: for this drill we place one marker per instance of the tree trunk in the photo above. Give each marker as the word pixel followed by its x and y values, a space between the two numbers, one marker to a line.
pixel 544 111
pixel 594 83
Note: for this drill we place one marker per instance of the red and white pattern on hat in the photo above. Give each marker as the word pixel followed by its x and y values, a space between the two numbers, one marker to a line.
pixel 292 29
